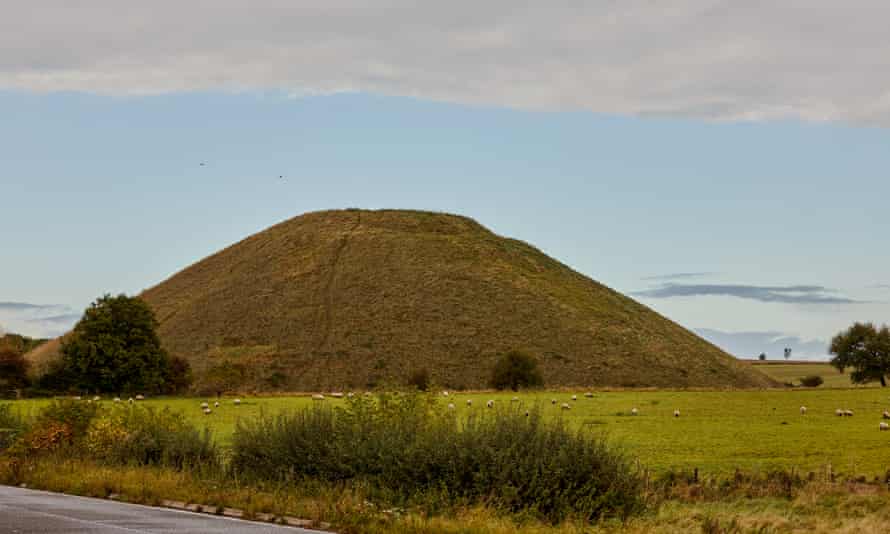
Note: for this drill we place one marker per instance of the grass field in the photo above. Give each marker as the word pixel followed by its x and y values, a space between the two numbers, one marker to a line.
pixel 792 372
pixel 717 432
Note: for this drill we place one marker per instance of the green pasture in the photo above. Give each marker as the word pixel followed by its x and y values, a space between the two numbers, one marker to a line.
pixel 794 371
pixel 716 432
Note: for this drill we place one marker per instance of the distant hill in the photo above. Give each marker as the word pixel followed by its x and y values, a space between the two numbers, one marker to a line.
pixel 350 299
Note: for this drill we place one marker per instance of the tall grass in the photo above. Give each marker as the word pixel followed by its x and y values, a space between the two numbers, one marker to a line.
pixel 11 425
pixel 412 449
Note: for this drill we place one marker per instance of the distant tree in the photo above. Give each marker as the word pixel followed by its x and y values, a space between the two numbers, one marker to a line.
pixel 787 353
pixel 762 356
pixel 179 376
pixel 864 348
pixel 420 378
pixel 13 370
pixel 811 381
pixel 115 348
pixel 516 370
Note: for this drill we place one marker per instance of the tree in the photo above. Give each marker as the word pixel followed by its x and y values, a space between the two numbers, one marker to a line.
pixel 420 378
pixel 762 356
pixel 115 348
pixel 864 348
pixel 515 370
pixel 13 370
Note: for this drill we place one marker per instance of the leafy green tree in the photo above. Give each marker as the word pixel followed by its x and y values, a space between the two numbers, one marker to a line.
pixel 13 370
pixel 864 348
pixel 516 370
pixel 115 348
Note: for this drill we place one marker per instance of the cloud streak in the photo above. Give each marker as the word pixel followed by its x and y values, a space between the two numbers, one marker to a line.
pixel 678 276
pixel 817 60
pixel 37 320
pixel 796 294
pixel 25 306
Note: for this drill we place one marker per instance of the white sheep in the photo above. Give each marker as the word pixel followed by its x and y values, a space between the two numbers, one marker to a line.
pixel 318 397
pixel 350 395
pixel 469 402
pixel 565 406
pixel 76 398
pixel 588 395
pixel 130 400
pixel 216 404
pixel 514 399
pixel 117 399
pixel 237 402
pixel 839 412
pixel 634 411
pixel 883 426
pixel 803 410
pixel 886 415
pixel 337 395
pixel 526 413
pixel 490 404
pixel 97 398
pixel 574 397
pixel 450 405
pixel 444 393
pixel 207 411
pixel 140 397
pixel 204 405
pixel 848 413
pixel 676 413
pixel 552 401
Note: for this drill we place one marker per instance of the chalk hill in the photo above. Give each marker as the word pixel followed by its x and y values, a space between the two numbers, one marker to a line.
pixel 353 298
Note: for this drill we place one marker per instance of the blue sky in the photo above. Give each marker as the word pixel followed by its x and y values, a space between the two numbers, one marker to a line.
pixel 106 194
pixel 726 163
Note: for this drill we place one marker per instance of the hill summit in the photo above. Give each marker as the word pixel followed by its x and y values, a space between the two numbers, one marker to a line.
pixel 354 298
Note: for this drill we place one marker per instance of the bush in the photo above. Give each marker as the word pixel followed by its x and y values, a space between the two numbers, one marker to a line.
pixel 811 381
pixel 11 425
pixel 144 436
pixel 59 426
pixel 13 370
pixel 516 370
pixel 408 449
pixel 420 379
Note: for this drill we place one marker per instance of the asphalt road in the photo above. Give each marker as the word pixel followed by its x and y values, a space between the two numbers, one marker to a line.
pixel 24 511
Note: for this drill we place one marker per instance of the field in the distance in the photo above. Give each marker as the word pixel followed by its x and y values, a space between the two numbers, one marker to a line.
pixel 792 371
pixel 717 432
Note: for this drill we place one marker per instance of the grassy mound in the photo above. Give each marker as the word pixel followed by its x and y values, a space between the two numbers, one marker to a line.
pixel 351 299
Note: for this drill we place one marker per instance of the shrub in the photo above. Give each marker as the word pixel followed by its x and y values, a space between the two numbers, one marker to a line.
pixel 13 370
pixel 408 448
pixel 144 436
pixel 58 426
pixel 420 379
pixel 811 381
pixel 11 425
pixel 516 370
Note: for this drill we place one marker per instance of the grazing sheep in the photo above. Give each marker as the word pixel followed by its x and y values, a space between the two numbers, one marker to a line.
pixel 886 415
pixel 450 405
pixel 444 393
pixel 237 402
pixel 634 411
pixel 803 410
pixel 565 406
pixel 207 411
pixel 469 402
pixel 848 413
pixel 526 413
pixel 839 412
pixel 318 397
pixel 130 400
pixel 76 398
pixel 552 401
pixel 350 395
pixel 140 397
pixel 97 398
pixel 490 404
pixel 337 395
pixel 676 413
pixel 514 399
pixel 574 397
pixel 216 404
pixel 117 399
pixel 589 395
pixel 204 405
pixel 883 426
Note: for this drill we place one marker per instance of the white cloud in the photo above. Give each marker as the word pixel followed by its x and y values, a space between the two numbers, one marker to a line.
pixel 36 320
pixel 808 59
